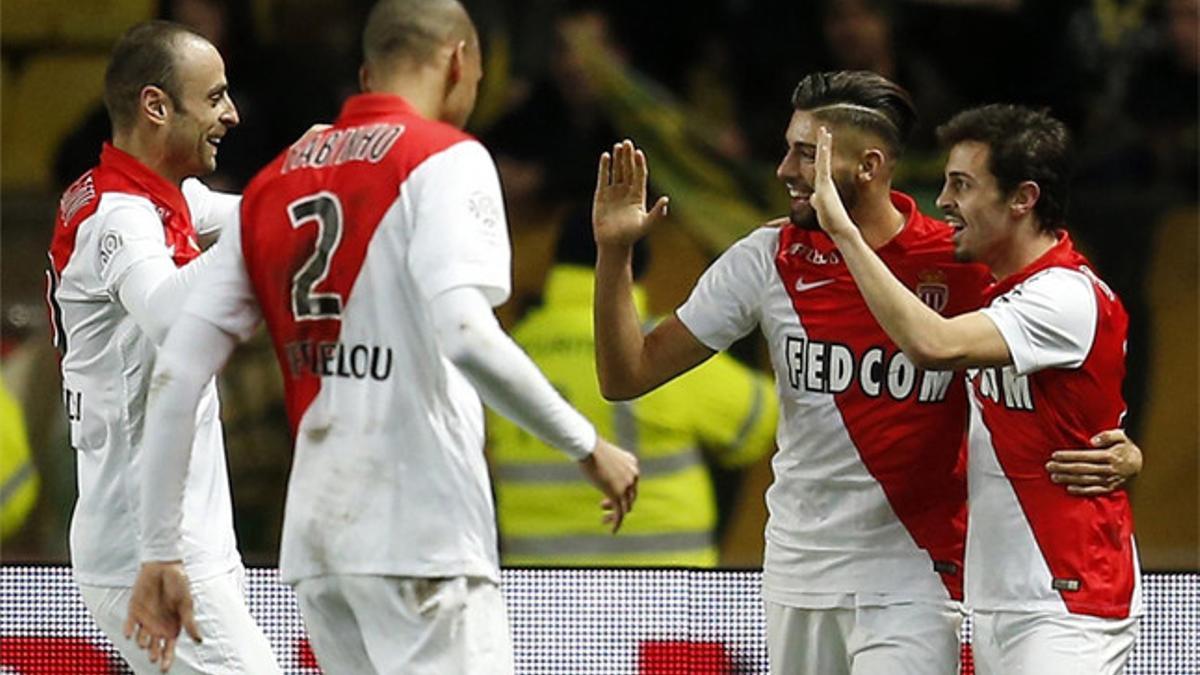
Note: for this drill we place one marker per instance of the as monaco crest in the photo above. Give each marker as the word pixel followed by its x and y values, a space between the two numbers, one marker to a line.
pixel 932 289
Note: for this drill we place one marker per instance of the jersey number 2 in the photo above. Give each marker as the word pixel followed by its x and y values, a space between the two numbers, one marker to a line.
pixel 326 210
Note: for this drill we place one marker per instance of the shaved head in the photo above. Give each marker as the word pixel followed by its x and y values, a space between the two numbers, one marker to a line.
pixel 411 31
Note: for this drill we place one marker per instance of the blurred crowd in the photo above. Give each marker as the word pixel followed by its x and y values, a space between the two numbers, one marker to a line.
pixel 703 87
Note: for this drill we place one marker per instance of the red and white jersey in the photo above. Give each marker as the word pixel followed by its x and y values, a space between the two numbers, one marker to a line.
pixel 1031 546
pixel 113 218
pixel 345 240
pixel 869 496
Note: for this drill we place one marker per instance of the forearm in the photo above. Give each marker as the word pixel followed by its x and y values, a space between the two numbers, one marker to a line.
pixel 915 328
pixel 193 352
pixel 620 343
pixel 154 291
pixel 505 377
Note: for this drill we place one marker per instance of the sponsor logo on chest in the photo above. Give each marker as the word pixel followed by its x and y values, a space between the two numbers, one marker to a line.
pixel 834 368
pixel 1002 386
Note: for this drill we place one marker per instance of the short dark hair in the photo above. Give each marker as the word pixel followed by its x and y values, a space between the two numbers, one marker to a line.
pixel 411 30
pixel 1024 145
pixel 863 99
pixel 145 55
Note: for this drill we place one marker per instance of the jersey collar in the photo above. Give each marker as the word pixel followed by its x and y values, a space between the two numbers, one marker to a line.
pixel 375 105
pixel 1062 254
pixel 911 229
pixel 158 188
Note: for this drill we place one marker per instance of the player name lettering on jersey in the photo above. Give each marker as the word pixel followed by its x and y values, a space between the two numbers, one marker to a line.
pixel 337 359
pixel 79 195
pixel 1002 385
pixel 369 143
pixel 833 368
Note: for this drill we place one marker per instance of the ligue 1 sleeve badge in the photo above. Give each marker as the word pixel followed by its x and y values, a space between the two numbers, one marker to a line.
pixel 932 289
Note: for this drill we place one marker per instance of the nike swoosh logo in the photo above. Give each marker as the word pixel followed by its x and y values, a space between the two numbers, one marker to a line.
pixel 801 286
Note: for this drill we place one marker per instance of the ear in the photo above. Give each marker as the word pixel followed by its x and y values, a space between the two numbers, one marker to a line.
pixel 458 60
pixel 154 104
pixel 1024 198
pixel 364 78
pixel 870 164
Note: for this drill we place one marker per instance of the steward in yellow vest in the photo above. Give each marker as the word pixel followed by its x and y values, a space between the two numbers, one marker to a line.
pixel 546 510
pixel 18 477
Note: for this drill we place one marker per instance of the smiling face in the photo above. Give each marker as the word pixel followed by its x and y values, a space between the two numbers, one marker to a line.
pixel 797 169
pixel 973 203
pixel 203 111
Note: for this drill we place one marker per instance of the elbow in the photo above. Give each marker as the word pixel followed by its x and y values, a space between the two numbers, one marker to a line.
pixel 616 394
pixel 617 389
pixel 460 354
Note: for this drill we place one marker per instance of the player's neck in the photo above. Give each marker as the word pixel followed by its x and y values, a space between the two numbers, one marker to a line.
pixel 424 93
pixel 149 150
pixel 878 219
pixel 1027 244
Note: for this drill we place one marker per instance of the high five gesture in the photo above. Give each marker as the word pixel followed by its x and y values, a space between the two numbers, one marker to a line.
pixel 619 215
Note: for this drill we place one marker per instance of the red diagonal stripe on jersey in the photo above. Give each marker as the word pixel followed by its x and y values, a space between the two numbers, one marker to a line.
pixel 274 250
pixel 915 450
pixel 1086 539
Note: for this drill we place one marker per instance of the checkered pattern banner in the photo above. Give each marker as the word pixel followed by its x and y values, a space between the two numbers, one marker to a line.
pixel 580 621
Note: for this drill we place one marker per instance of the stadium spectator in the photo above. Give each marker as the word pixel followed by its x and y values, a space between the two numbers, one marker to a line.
pixel 374 251
pixel 123 257
pixel 1052 579
pixel 868 35
pixel 865 539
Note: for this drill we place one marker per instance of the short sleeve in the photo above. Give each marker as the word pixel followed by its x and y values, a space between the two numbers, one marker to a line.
pixel 224 296
pixel 726 303
pixel 1048 321
pixel 460 235
pixel 129 233
pixel 211 210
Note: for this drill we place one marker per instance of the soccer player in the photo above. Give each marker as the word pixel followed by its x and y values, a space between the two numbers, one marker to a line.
pixel 123 256
pixel 864 544
pixel 1053 580
pixel 374 252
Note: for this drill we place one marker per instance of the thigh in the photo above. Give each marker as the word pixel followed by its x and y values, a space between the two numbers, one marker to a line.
pixel 433 626
pixel 1064 644
pixel 807 641
pixel 486 631
pixel 332 627
pixel 232 641
pixel 918 638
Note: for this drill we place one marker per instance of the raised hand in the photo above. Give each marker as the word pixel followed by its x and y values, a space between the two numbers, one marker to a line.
pixel 161 603
pixel 825 200
pixel 615 472
pixel 619 215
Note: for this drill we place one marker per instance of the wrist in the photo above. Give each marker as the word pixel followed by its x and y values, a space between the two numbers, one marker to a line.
pixel 616 252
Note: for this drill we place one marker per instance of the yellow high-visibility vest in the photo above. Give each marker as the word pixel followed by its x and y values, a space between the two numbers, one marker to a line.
pixel 18 477
pixel 548 512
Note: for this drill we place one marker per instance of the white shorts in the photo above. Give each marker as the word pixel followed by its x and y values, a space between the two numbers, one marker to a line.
pixel 232 641
pixel 415 626
pixel 895 639
pixel 1051 644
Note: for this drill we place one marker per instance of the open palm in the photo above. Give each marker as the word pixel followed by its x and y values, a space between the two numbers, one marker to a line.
pixel 619 215
pixel 825 200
